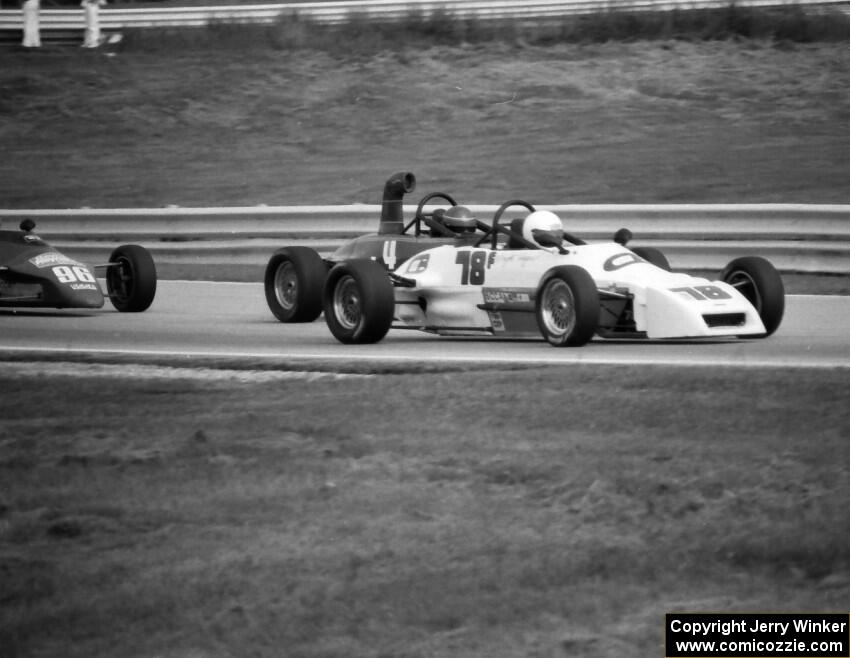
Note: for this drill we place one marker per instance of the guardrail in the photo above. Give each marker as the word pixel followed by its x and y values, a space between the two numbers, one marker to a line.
pixel 796 237
pixel 376 10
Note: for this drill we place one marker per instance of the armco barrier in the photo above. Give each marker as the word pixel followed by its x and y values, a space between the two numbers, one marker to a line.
pixel 340 11
pixel 796 237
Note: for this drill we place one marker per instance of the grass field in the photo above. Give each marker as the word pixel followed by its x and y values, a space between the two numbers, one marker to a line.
pixel 530 512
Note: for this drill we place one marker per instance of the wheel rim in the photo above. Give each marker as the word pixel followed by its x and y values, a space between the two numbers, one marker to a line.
pixel 558 308
pixel 347 304
pixel 745 285
pixel 286 286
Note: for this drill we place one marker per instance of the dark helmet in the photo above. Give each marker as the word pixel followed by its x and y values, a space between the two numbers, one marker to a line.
pixel 459 218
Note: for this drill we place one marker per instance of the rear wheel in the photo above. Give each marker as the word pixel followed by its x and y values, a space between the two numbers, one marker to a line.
pixel 759 281
pixel 358 301
pixel 567 306
pixel 131 280
pixel 295 277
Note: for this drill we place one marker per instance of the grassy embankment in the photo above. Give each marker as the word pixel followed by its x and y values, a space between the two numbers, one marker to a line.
pixel 737 105
pixel 789 23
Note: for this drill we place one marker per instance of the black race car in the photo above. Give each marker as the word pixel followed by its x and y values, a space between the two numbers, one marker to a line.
pixel 295 276
pixel 34 274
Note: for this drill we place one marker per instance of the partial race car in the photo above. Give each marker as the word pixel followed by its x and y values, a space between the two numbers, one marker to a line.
pixel 530 279
pixel 34 274
pixel 295 276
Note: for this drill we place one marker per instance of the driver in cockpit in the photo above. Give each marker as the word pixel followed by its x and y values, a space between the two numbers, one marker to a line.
pixel 544 228
pixel 460 220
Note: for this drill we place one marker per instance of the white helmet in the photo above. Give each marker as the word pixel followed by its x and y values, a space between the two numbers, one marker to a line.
pixel 543 222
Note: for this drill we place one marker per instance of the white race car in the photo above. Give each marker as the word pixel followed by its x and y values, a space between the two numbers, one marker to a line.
pixel 531 280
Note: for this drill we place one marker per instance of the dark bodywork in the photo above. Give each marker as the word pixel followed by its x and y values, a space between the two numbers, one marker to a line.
pixel 34 274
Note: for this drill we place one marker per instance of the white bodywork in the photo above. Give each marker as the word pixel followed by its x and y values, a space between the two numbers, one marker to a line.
pixel 472 290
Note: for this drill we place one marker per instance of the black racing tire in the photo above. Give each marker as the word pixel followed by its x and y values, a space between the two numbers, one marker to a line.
pixel 294 280
pixel 758 280
pixel 131 281
pixel 567 306
pixel 358 301
pixel 653 256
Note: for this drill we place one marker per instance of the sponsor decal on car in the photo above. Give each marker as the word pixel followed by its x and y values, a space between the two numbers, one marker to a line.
pixel 619 261
pixel 506 296
pixel 507 299
pixel 418 264
pixel 51 258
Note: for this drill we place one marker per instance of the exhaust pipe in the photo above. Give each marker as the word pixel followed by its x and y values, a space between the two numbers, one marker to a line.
pixel 392 215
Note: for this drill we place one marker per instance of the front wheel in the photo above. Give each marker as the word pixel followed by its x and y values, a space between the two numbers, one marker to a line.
pixel 293 283
pixel 358 301
pixel 131 279
pixel 759 281
pixel 567 306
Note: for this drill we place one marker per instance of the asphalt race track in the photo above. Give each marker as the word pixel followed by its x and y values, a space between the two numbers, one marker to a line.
pixel 190 318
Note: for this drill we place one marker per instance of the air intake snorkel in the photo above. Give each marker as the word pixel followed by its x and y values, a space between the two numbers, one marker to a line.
pixel 392 215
